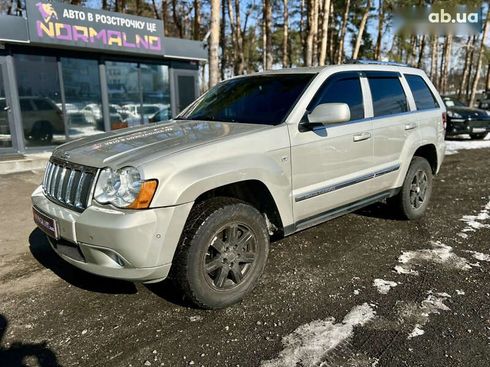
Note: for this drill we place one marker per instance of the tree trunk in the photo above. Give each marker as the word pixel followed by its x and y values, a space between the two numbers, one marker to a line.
pixel 302 29
pixel 447 63
pixel 267 37
pixel 325 24
pixel 105 5
pixel 466 67
pixel 222 40
pixel 177 19
pixel 487 81
pixel 362 26
pixel 379 38
pixel 421 52
pixel 197 20
pixel 314 60
pixel 340 47
pixel 285 29
pixel 214 43
pixel 310 36
pixel 433 66
pixel 476 79
pixel 155 9
pixel 331 38
pixel 165 17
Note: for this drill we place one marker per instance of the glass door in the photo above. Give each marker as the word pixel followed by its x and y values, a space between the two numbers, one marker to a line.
pixel 6 140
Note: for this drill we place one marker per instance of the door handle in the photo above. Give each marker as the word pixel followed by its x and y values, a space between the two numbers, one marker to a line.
pixel 6 108
pixel 410 126
pixel 362 136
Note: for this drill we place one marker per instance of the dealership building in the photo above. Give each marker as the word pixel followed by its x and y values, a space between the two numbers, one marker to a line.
pixel 68 71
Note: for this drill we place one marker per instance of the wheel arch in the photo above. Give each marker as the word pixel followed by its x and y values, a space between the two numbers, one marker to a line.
pixel 428 152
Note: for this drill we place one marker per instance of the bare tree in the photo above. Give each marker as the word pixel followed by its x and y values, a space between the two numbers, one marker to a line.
pixel 196 34
pixel 177 19
pixel 434 61
pixel 421 52
pixel 447 63
pixel 314 24
pixel 154 7
pixel 214 43
pixel 311 33
pixel 340 47
pixel 476 79
pixel 470 43
pixel 285 30
pixel 325 19
pixel 379 38
pixel 267 36
pixel 165 17
pixel 362 26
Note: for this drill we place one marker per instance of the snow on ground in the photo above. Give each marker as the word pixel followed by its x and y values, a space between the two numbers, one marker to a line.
pixel 420 313
pixel 438 254
pixel 309 343
pixel 453 146
pixel 384 286
pixel 475 222
pixel 479 256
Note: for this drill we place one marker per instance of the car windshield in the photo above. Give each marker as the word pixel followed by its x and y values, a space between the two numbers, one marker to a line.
pixel 260 99
pixel 449 102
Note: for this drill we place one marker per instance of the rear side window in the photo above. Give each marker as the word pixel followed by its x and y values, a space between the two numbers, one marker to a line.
pixel 341 89
pixel 424 99
pixel 25 105
pixel 43 105
pixel 388 95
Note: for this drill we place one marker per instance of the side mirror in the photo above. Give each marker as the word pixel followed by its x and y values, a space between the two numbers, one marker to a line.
pixel 329 113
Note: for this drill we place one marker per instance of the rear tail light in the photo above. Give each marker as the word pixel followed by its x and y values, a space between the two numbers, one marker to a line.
pixel 444 120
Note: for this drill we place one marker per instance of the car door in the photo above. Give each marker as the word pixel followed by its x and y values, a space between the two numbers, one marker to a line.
pixel 330 162
pixel 393 125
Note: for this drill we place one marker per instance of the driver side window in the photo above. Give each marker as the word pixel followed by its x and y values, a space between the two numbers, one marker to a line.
pixel 341 88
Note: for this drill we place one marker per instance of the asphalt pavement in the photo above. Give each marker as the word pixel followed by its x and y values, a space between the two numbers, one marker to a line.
pixel 365 289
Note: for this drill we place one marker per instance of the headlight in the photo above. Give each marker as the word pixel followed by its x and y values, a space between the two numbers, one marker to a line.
pixel 454 114
pixel 124 188
pixel 488 113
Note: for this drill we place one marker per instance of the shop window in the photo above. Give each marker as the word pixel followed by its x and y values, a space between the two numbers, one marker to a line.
pixel 138 93
pixel 83 105
pixel 5 134
pixel 40 100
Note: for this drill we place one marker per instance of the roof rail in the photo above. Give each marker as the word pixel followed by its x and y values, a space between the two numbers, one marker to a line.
pixel 374 62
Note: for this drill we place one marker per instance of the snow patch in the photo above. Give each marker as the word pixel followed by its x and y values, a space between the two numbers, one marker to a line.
pixel 453 146
pixel 459 292
pixel 479 256
pixel 475 222
pixel 309 343
pixel 401 270
pixel 417 331
pixel 384 286
pixel 438 254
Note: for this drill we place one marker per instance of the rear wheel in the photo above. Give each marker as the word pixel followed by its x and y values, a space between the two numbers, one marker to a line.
pixel 42 131
pixel 223 252
pixel 413 198
pixel 480 136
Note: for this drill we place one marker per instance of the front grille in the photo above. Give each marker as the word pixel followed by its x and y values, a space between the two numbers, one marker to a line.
pixel 69 184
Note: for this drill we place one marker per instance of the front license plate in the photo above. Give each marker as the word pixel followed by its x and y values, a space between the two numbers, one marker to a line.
pixel 479 130
pixel 46 224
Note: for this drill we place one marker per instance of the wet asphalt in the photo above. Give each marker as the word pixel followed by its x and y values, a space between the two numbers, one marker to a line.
pixel 52 314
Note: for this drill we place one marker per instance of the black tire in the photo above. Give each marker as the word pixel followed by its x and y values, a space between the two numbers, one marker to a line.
pixel 208 251
pixel 412 200
pixel 478 136
pixel 42 131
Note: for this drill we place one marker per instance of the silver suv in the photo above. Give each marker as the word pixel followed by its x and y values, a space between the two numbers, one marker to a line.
pixel 197 199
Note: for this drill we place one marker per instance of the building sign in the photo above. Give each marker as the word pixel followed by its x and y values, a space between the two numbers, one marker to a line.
pixel 73 26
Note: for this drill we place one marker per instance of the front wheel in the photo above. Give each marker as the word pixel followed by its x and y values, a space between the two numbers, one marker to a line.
pixel 479 136
pixel 222 253
pixel 413 198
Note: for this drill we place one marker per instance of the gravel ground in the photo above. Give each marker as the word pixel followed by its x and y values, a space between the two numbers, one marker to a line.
pixel 361 290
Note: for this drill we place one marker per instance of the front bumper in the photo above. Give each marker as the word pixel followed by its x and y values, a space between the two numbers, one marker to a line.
pixel 135 245
pixel 458 126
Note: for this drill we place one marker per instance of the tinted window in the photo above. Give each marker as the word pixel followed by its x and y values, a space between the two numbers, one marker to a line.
pixel 341 90
pixel 424 99
pixel 388 95
pixel 261 99
pixel 43 105
pixel 25 105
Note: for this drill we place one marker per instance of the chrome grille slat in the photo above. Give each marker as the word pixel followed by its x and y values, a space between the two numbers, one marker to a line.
pixel 60 185
pixel 78 202
pixel 69 187
pixel 69 184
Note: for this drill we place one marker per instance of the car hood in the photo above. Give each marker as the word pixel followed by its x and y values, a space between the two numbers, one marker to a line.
pixel 122 147
pixel 469 112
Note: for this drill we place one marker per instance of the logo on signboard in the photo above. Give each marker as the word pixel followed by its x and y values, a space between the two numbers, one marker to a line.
pixel 47 12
